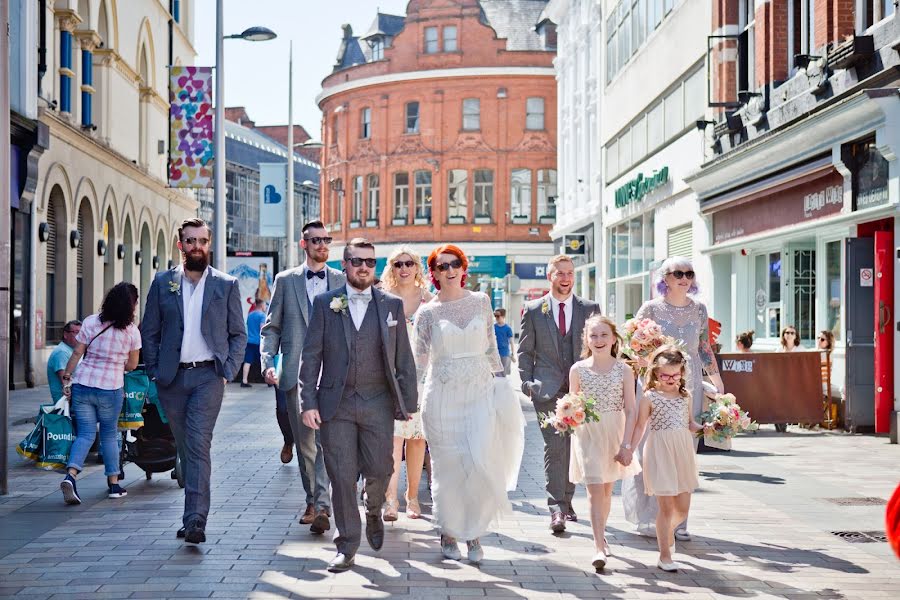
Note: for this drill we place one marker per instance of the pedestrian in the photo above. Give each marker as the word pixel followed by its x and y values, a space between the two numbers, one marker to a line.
pixel 684 318
pixel 108 344
pixel 59 358
pixel 601 452
pixel 505 345
pixel 194 339
pixel 744 341
pixel 404 277
pixel 357 341
pixel 789 341
pixel 284 333
pixel 552 329
pixel 473 423
pixel 669 466
pixel 255 319
pixel 284 425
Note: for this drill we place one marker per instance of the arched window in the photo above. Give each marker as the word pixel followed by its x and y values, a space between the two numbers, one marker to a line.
pixel 160 253
pixel 109 259
pixel 57 242
pixel 145 266
pixel 128 254
pixel 84 273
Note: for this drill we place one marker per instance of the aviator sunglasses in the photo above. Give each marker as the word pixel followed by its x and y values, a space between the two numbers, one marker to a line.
pixel 316 241
pixel 358 262
pixel 682 274
pixel 399 264
pixel 454 264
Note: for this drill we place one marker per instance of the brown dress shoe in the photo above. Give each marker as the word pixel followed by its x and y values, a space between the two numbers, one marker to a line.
pixel 287 453
pixel 571 516
pixel 309 515
pixel 557 522
pixel 320 524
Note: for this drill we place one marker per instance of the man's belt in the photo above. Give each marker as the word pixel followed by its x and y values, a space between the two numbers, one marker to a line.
pixel 193 365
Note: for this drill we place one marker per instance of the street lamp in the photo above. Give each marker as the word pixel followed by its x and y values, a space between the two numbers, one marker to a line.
pixel 252 34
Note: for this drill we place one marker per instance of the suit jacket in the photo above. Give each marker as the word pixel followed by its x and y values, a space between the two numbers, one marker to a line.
pixel 222 326
pixel 541 365
pixel 287 321
pixel 327 347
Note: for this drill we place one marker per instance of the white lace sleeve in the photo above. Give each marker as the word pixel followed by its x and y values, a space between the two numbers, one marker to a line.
pixel 422 338
pixel 492 353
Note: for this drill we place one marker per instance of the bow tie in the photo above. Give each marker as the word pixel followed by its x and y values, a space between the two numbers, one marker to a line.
pixel 360 297
pixel 319 274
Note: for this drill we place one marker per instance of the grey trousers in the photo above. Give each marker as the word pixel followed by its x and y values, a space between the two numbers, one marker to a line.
pixel 557 452
pixel 358 440
pixel 192 405
pixel 310 455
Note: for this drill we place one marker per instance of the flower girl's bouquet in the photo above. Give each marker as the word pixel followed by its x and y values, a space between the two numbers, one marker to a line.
pixel 723 420
pixel 642 337
pixel 572 411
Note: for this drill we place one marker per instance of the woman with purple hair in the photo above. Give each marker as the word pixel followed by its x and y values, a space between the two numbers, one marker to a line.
pixel 685 319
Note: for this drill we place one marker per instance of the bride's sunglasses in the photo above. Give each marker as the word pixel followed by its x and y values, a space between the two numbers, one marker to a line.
pixel 399 264
pixel 682 274
pixel 454 264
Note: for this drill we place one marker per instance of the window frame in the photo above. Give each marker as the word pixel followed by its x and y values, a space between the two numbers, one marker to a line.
pixel 365 123
pixel 356 207
pixel 483 194
pixel 431 46
pixel 468 114
pixel 401 212
pixel 373 199
pixel 454 39
pixel 407 107
pixel 533 114
pixel 519 206
pixel 453 218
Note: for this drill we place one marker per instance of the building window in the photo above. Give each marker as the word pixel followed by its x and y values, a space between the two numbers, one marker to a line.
pixel 372 209
pixel 484 196
pixel 631 247
pixel 801 22
pixel 767 276
pixel 412 117
pixel 629 24
pixel 431 40
pixel 457 188
pixel 747 24
pixel 674 113
pixel 356 207
pixel 534 113
pixel 450 38
pixel 835 290
pixel 365 123
pixel 65 71
pixel 868 173
pixel 423 197
pixel 401 198
pixel 870 12
pixel 87 83
pixel 546 195
pixel 334 130
pixel 377 46
pixel 471 114
pixel 548 35
pixel 338 202
pixel 520 196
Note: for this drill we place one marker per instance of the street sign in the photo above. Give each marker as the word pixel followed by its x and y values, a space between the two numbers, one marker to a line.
pixel 866 278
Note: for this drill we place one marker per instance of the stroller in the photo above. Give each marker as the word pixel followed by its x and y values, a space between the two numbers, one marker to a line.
pixel 152 447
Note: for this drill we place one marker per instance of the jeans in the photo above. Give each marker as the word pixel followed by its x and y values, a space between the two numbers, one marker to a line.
pixel 91 406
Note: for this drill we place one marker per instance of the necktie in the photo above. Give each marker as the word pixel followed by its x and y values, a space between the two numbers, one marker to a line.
pixel 562 319
pixel 361 298
pixel 319 274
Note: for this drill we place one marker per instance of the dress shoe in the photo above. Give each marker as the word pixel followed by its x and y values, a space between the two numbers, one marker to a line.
pixel 287 453
pixel 571 516
pixel 180 534
pixel 475 551
pixel 320 523
pixel 341 562
pixel 374 530
pixel 309 515
pixel 195 532
pixel 557 522
pixel 669 566
pixel 599 561
pixel 449 548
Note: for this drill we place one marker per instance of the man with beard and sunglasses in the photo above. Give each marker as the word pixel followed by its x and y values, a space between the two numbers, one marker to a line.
pixel 357 340
pixel 284 332
pixel 193 340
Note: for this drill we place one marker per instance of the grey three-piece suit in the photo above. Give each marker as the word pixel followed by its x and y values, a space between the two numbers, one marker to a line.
pixel 368 380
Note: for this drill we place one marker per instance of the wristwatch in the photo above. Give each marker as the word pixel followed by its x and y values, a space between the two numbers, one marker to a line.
pixel 626 446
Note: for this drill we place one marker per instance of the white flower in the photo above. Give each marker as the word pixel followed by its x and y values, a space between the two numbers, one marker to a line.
pixel 338 304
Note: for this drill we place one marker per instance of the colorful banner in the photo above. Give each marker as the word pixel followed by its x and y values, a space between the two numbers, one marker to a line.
pixel 191 147
pixel 272 184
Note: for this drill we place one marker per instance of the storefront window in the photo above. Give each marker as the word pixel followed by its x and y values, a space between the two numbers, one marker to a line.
pixel 631 246
pixel 803 293
pixel 834 289
pixel 767 275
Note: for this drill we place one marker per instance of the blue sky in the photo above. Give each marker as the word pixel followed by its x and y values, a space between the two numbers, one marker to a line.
pixel 256 73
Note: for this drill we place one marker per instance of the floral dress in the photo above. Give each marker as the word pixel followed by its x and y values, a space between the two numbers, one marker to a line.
pixel 412 429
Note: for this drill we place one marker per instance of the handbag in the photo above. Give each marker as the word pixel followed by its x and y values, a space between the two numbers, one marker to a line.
pixel 137 391
pixel 58 436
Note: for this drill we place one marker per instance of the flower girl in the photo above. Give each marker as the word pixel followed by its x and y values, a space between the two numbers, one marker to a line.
pixel 596 459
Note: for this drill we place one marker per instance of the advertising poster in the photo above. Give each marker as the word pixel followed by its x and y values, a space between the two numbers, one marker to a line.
pixel 255 272
pixel 191 147
pixel 272 184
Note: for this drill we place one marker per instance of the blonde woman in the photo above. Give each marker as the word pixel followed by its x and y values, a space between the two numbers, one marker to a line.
pixel 404 277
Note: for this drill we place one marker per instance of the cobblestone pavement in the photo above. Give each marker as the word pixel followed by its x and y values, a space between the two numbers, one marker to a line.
pixel 762 526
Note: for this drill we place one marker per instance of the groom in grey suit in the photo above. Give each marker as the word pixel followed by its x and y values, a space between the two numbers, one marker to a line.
pixel 284 332
pixel 193 338
pixel 550 343
pixel 357 338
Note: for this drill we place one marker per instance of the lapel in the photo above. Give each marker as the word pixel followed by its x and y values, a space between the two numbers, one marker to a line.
pixel 551 325
pixel 335 278
pixel 299 282
pixel 378 298
pixel 209 288
pixel 577 326
pixel 346 319
pixel 176 274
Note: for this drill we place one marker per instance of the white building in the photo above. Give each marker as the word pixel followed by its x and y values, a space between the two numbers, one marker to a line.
pixel 102 212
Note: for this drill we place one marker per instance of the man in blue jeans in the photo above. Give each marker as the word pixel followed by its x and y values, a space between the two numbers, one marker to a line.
pixel 504 335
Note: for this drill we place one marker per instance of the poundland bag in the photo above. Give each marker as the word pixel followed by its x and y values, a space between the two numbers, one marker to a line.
pixel 137 390
pixel 30 447
pixel 58 437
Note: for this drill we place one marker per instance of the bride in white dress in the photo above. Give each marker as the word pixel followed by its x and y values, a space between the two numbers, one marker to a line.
pixel 473 421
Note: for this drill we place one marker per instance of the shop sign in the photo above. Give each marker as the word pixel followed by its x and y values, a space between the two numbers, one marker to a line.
pixel 640 186
pixel 815 199
pixel 573 245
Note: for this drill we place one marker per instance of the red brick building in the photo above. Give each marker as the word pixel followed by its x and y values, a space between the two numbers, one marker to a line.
pixel 440 126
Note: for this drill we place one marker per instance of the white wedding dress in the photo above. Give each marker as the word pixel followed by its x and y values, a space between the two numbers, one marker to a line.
pixel 473 421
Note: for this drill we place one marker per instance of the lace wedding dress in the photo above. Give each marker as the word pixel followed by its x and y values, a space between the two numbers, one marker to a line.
pixel 473 421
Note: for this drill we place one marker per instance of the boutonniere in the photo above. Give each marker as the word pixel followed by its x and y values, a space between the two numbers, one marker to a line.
pixel 339 304
pixel 545 308
pixel 175 287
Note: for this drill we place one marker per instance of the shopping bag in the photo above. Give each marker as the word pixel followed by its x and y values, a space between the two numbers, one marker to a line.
pixel 30 447
pixel 58 437
pixel 137 390
pixel 153 398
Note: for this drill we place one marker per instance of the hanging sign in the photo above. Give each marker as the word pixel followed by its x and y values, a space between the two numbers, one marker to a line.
pixel 272 183
pixel 191 148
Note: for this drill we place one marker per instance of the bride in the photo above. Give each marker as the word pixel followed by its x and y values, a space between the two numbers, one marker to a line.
pixel 473 422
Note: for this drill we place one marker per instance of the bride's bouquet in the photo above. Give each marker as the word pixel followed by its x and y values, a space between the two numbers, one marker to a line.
pixel 641 338
pixel 723 420
pixel 572 411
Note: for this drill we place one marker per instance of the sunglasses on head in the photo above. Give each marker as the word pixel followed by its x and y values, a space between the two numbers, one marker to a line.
pixel 358 262
pixel 682 274
pixel 399 264
pixel 446 266
pixel 316 241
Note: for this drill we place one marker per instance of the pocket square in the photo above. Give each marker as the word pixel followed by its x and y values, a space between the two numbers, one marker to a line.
pixel 391 321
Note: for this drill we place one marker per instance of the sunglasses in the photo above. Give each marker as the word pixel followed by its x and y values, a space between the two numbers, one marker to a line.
pixel 454 264
pixel 399 264
pixel 793 333
pixel 682 274
pixel 317 241
pixel 670 378
pixel 192 241
pixel 358 262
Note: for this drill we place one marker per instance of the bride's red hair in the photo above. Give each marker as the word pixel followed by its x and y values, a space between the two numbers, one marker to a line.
pixel 447 249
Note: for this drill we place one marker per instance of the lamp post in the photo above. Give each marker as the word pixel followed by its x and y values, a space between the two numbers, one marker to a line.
pixel 289 205
pixel 253 34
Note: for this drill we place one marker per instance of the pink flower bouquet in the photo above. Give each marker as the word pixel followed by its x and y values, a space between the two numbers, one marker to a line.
pixel 572 411
pixel 723 420
pixel 641 338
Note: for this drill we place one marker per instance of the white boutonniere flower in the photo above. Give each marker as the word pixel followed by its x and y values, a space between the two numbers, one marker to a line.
pixel 545 308
pixel 339 304
pixel 175 287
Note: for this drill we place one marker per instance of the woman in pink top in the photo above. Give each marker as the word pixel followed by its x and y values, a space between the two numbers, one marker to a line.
pixel 110 344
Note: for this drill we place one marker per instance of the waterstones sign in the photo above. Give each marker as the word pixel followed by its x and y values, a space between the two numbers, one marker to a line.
pixel 640 186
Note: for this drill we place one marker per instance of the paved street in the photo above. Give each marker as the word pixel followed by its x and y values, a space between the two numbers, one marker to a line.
pixel 762 528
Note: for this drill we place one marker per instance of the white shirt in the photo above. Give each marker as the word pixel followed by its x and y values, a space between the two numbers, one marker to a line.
pixel 554 305
pixel 358 308
pixel 193 346
pixel 315 286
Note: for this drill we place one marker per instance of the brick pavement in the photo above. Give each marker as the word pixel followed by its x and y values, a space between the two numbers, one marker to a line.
pixel 760 522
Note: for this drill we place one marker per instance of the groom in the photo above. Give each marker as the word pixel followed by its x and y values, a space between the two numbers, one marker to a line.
pixel 368 379
pixel 550 343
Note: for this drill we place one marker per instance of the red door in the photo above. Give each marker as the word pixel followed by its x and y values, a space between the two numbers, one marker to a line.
pixel 884 330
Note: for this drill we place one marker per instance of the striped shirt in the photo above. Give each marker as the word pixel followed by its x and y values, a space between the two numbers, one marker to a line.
pixel 103 365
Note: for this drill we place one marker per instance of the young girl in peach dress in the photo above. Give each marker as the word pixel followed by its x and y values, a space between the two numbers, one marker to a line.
pixel 670 471
pixel 605 378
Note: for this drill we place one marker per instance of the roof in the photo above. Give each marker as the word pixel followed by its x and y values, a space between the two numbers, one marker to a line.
pixel 384 24
pixel 248 148
pixel 515 20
